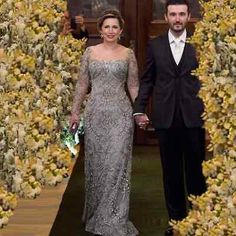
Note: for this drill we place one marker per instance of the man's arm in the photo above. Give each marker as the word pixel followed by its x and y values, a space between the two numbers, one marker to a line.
pixel 145 91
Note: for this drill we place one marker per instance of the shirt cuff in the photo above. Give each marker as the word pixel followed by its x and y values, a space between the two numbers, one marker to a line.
pixel 138 113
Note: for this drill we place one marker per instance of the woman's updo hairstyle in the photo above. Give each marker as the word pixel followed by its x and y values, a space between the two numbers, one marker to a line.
pixel 111 13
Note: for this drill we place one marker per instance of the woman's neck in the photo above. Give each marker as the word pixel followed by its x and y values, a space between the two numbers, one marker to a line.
pixel 111 46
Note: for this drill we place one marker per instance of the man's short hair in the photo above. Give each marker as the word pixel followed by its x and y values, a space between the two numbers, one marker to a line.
pixel 177 2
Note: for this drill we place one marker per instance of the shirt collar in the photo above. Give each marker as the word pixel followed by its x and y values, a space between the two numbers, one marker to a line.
pixel 181 38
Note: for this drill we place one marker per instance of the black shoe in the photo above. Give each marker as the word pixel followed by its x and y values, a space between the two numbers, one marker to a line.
pixel 169 231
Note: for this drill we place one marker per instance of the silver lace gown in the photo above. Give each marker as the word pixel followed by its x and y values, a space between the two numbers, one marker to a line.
pixel 108 142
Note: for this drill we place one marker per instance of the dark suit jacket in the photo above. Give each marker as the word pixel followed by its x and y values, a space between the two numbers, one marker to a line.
pixel 172 86
pixel 81 34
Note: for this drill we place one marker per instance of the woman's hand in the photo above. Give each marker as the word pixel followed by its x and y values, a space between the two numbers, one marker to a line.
pixel 74 121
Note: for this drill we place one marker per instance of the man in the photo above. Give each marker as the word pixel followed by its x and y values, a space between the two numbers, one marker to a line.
pixel 74 25
pixel 177 110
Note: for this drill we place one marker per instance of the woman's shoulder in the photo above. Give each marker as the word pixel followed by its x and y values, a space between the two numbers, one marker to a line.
pixel 127 52
pixel 91 50
pixel 96 47
pixel 124 49
pixel 87 50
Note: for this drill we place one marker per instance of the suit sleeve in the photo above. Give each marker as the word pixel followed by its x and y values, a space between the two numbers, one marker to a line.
pixel 147 82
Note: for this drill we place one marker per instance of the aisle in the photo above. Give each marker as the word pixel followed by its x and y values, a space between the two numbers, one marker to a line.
pixel 147 201
pixel 38 216
pixel 34 217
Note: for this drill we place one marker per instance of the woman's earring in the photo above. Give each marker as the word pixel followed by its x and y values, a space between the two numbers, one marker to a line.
pixel 101 36
pixel 119 37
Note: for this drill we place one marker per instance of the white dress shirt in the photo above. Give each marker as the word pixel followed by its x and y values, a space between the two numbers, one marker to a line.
pixel 177 45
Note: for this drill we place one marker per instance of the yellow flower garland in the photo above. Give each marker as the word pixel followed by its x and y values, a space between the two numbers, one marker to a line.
pixel 38 69
pixel 214 213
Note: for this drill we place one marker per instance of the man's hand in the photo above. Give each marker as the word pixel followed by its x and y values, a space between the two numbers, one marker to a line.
pixel 141 120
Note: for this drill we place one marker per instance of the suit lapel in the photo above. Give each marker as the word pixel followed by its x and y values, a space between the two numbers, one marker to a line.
pixel 184 58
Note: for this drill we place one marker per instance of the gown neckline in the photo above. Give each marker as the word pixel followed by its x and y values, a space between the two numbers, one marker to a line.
pixel 109 61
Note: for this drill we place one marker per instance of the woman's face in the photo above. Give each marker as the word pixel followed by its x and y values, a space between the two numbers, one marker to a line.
pixel 111 30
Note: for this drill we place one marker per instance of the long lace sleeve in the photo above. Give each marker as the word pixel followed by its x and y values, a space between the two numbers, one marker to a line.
pixel 132 82
pixel 82 84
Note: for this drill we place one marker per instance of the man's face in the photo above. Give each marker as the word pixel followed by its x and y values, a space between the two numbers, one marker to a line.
pixel 177 17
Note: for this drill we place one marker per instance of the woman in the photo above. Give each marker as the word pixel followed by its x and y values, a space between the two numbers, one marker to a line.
pixel 107 68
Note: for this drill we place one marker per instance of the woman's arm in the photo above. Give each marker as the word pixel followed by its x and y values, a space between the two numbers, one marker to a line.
pixel 81 88
pixel 132 81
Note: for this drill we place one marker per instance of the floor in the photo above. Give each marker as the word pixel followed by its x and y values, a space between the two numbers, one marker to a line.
pixel 147 207
pixel 57 211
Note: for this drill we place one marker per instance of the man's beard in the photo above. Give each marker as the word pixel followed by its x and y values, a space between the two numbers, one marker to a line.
pixel 178 30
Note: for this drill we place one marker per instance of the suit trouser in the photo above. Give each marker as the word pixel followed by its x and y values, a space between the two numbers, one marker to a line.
pixel 182 151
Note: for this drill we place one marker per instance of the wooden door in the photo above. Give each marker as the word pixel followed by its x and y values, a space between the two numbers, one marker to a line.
pixel 144 19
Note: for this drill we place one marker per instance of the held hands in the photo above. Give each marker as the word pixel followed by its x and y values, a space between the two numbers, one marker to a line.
pixel 142 121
